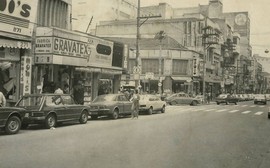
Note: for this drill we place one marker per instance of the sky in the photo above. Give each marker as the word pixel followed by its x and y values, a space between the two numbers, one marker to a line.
pixel 259 13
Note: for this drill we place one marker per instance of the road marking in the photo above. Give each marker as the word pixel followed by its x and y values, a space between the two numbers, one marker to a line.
pixel 261 106
pixel 222 110
pixel 253 106
pixel 246 112
pixel 259 113
pixel 233 111
pixel 244 105
pixel 210 110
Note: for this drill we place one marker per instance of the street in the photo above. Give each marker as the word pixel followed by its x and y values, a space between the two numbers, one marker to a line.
pixel 203 136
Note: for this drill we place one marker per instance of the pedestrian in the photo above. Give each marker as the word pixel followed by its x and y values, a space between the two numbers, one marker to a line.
pixel 208 97
pixel 78 93
pixel 2 100
pixel 66 89
pixel 58 90
pixel 135 98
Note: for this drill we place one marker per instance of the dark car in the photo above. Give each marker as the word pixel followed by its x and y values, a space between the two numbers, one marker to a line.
pixel 111 105
pixel 227 98
pixel 11 119
pixel 50 109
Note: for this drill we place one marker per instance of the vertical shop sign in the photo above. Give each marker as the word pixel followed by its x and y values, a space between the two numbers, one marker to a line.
pixel 26 74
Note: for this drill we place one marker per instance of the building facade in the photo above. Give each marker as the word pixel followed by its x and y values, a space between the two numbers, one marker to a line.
pixel 86 16
pixel 16 30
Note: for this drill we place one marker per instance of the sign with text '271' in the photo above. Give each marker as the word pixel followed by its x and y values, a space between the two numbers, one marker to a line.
pixel 18 16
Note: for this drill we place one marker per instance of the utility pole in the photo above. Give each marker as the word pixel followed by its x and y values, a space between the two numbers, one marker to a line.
pixel 89 25
pixel 137 79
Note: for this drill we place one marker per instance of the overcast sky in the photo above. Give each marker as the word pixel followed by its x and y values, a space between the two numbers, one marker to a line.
pixel 259 12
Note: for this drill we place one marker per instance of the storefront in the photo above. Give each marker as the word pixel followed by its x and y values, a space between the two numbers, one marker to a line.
pixel 69 59
pixel 16 30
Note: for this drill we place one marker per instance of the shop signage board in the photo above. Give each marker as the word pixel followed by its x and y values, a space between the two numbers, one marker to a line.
pixel 17 16
pixel 81 49
pixel 26 74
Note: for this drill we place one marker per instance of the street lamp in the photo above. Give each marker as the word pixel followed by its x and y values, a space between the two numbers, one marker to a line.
pixel 160 36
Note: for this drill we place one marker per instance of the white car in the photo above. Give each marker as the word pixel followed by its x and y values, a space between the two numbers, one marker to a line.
pixel 151 104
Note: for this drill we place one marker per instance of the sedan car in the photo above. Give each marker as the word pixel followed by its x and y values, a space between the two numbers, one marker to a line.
pixel 182 98
pixel 151 103
pixel 50 109
pixel 11 119
pixel 227 98
pixel 260 98
pixel 112 105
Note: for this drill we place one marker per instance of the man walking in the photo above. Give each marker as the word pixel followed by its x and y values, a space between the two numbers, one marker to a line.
pixel 136 105
pixel 2 100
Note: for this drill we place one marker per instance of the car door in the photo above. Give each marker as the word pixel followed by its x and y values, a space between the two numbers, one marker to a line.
pixel 120 103
pixel 73 110
pixel 55 104
pixel 126 104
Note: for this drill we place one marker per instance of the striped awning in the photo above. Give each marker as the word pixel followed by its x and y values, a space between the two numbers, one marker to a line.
pixel 15 44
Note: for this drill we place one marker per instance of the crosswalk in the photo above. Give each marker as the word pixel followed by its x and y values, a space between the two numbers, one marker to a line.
pixel 256 110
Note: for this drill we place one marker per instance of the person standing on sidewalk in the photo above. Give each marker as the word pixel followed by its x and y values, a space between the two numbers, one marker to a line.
pixel 2 100
pixel 135 99
pixel 208 97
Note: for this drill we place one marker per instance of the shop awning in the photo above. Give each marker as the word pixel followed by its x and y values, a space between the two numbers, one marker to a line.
pixel 182 78
pixel 15 44
pixel 100 70
pixel 87 69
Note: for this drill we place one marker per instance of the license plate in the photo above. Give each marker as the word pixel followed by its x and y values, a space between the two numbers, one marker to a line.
pixel 26 115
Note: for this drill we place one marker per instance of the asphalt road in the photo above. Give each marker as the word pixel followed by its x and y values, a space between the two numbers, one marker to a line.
pixel 208 136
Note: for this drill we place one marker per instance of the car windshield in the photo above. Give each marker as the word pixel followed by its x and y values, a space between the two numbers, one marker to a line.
pixel 104 98
pixel 30 101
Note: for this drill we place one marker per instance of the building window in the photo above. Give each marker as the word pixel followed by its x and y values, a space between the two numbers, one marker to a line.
pixel 180 67
pixel 151 65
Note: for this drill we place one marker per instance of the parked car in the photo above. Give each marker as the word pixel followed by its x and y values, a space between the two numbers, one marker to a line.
pixel 267 97
pixel 260 98
pixel 151 104
pixel 182 98
pixel 240 97
pixel 50 109
pixel 11 119
pixel 112 105
pixel 226 98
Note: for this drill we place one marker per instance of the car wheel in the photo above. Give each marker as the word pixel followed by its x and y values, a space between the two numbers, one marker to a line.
pixel 163 109
pixel 24 126
pixel 235 103
pixel 268 115
pixel 150 111
pixel 84 117
pixel 13 125
pixel 194 103
pixel 227 103
pixel 173 103
pixel 50 121
pixel 217 103
pixel 115 114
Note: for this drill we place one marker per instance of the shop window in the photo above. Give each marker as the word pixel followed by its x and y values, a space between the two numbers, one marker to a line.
pixel 9 79
pixel 2 52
